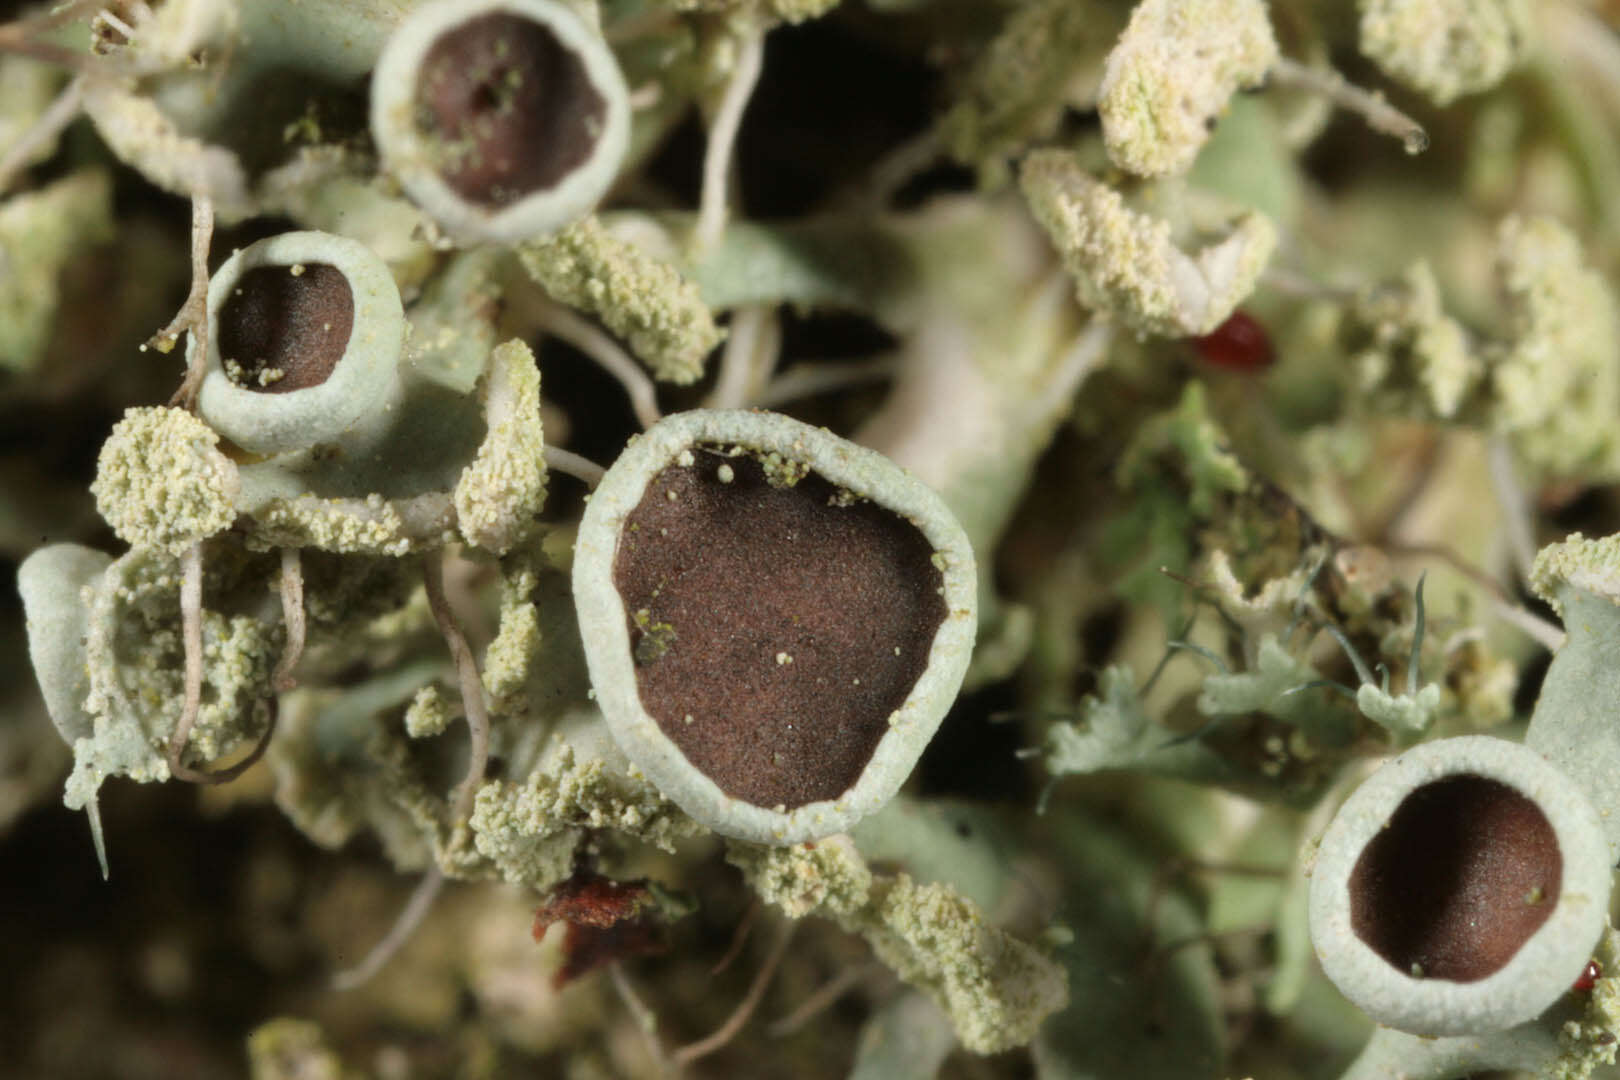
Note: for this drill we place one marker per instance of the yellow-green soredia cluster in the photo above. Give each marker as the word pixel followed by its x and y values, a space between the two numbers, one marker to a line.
pixel 1591 564
pixel 641 298
pixel 1168 79
pixel 162 482
pixel 996 989
pixel 529 831
pixel 499 496
pixel 1047 55
pixel 1447 48
pixel 133 654
pixel 1557 379
pixel 1417 359
pixel 1127 263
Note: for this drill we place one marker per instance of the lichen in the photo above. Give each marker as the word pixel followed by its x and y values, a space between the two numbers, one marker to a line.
pixel 509 660
pixel 1407 353
pixel 292 1049
pixel 1112 731
pixel 133 654
pixel 429 713
pixel 1125 262
pixel 1168 79
pixel 27 86
pixel 1591 564
pixel 369 526
pixel 1207 391
pixel 529 830
pixel 40 233
pixel 139 132
pixel 1405 716
pixel 1213 472
pixel 162 482
pixel 1589 1042
pixel 826 877
pixel 1446 48
pixel 500 494
pixel 639 297
pixel 996 989
pixel 1557 380
pixel 1047 53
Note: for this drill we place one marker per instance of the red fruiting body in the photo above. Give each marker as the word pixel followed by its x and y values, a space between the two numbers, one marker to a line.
pixel 1239 344
pixel 607 921
pixel 1589 977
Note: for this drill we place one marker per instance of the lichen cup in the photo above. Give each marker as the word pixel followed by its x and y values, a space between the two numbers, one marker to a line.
pixel 502 119
pixel 1461 889
pixel 304 337
pixel 775 620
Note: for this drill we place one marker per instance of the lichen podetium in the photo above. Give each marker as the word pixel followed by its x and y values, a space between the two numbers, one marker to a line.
pixel 810 538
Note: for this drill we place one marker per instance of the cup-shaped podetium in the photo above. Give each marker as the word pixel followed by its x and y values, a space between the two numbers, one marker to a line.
pixel 502 119
pixel 775 619
pixel 1461 889
pixel 304 337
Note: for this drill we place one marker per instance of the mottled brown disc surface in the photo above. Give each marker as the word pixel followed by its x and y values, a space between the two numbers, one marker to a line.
pixel 511 110
pixel 786 627
pixel 1465 872
pixel 296 325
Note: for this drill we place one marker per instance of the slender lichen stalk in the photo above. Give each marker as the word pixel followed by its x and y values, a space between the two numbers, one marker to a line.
pixel 193 314
pixel 191 571
pixel 292 616
pixel 191 635
pixel 472 688
pixel 410 918
pixel 717 155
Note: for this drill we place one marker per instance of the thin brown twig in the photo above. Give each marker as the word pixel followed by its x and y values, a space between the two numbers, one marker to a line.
pixel 231 772
pixel 1509 608
pixel 715 196
pixel 472 687
pixel 191 635
pixel 727 1031
pixel 738 938
pixel 54 18
pixel 51 123
pixel 193 314
pixel 191 639
pixel 823 998
pixel 22 37
pixel 44 51
pixel 292 617
pixel 410 917
pixel 646 1020
pixel 1450 557
pixel 569 463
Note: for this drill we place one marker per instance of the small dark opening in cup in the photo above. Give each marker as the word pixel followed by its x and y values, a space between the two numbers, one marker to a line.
pixel 285 328
pixel 1466 870
pixel 776 626
pixel 510 109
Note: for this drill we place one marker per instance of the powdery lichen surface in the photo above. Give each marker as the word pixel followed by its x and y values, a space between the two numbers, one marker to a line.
pixel 161 481
pixel 1447 48
pixel 1168 78
pixel 996 989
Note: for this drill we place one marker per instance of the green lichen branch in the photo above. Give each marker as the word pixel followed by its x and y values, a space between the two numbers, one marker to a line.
pixel 996 989
pixel 639 297
pixel 1127 263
